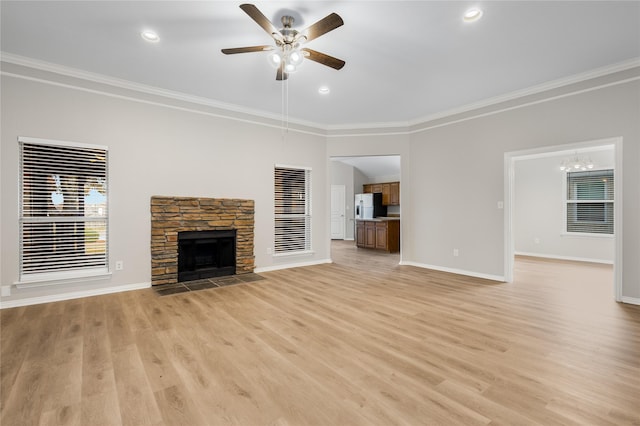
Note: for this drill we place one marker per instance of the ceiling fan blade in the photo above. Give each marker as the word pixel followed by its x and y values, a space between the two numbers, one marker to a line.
pixel 323 26
pixel 261 20
pixel 281 75
pixel 323 59
pixel 247 49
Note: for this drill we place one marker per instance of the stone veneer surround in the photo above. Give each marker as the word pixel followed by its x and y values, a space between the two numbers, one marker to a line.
pixel 170 215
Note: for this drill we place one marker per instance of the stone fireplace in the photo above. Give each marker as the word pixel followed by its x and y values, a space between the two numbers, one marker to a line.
pixel 173 215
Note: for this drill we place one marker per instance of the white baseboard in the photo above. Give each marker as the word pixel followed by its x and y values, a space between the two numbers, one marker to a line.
pixel 291 265
pixel 570 258
pixel 631 300
pixel 455 271
pixel 71 295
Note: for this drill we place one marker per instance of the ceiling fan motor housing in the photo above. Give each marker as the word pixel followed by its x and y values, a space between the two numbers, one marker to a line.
pixel 288 33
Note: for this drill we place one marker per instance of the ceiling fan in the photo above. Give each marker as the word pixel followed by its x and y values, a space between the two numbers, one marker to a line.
pixel 288 53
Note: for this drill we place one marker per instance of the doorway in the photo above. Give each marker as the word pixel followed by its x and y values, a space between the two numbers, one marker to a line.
pixel 338 213
pixel 558 244
pixel 354 173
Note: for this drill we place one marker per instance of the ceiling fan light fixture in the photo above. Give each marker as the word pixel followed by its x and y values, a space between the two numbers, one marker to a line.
pixel 150 36
pixel 289 55
pixel 295 57
pixel 472 15
pixel 275 59
pixel 290 68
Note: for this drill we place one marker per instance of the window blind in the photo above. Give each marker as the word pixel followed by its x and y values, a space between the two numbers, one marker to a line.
pixel 63 208
pixel 292 209
pixel 590 202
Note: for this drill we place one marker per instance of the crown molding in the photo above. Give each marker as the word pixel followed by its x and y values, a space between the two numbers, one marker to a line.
pixel 507 102
pixel 390 125
pixel 151 90
pixel 533 90
pixel 352 129
pixel 451 116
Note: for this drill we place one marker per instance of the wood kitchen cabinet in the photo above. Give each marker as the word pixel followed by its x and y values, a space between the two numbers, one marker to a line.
pixel 388 235
pixel 390 192
pixel 381 235
pixel 369 234
pixel 378 234
pixel 386 190
pixel 394 194
pixel 360 233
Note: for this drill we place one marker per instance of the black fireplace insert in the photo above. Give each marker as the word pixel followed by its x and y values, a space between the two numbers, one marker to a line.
pixel 206 254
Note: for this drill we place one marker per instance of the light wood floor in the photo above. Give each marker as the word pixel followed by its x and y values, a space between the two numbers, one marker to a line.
pixel 362 341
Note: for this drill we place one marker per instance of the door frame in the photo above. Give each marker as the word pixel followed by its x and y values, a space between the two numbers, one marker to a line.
pixel 509 244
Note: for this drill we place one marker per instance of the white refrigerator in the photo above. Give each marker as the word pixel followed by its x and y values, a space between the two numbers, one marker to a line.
pixel 368 206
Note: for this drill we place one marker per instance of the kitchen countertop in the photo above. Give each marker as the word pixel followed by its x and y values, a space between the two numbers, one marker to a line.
pixel 379 219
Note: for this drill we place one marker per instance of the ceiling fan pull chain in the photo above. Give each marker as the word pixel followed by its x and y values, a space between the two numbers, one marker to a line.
pixel 282 110
pixel 286 82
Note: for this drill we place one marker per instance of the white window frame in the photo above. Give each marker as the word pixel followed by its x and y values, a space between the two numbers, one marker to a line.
pixel 567 202
pixel 86 268
pixel 281 246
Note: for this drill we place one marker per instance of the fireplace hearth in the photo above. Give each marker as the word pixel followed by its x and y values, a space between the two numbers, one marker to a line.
pixel 206 254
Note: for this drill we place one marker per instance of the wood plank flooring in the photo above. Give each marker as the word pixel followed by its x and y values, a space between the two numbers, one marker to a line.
pixel 362 341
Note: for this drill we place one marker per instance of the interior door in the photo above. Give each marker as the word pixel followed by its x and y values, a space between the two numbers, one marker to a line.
pixel 337 212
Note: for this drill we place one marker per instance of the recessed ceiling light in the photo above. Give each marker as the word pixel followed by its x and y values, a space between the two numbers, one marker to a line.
pixel 472 15
pixel 149 35
pixel 323 90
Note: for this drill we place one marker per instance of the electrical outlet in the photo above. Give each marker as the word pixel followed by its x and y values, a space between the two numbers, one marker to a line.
pixel 536 240
pixel 500 204
pixel 269 250
pixel 6 291
pixel 119 265
pixel 456 252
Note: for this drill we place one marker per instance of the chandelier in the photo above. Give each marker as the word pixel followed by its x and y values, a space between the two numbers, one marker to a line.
pixel 576 164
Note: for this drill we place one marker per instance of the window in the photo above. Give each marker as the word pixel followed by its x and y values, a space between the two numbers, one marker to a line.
pixel 292 210
pixel 63 210
pixel 590 202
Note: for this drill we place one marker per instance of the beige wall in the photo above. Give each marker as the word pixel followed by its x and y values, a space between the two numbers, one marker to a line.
pixel 451 168
pixel 154 150
pixel 453 173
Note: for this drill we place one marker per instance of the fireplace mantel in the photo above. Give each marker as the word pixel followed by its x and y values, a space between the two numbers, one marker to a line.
pixel 170 215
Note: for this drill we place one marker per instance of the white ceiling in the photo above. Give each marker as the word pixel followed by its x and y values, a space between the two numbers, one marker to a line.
pixel 405 60
pixel 375 165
